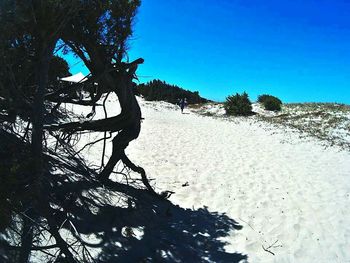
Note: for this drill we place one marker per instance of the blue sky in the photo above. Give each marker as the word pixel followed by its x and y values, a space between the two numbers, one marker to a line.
pixel 296 50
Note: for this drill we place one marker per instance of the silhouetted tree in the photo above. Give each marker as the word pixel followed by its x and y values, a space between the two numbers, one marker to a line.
pixel 49 196
pixel 97 32
pixel 30 33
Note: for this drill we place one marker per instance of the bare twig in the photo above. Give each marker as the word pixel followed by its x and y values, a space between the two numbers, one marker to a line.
pixel 271 246
pixel 266 249
pixel 105 133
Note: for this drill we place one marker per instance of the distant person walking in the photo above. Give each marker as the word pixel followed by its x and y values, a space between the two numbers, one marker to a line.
pixel 183 104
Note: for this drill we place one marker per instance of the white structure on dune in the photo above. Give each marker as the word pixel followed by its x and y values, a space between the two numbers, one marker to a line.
pixel 77 78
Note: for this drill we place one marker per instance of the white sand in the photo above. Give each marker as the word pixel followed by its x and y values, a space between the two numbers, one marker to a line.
pixel 277 186
pixel 291 195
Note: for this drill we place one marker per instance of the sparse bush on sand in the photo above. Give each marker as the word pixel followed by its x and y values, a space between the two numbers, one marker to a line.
pixel 238 105
pixel 271 103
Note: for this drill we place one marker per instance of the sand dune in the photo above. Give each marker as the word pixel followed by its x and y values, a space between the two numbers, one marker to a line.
pixel 291 195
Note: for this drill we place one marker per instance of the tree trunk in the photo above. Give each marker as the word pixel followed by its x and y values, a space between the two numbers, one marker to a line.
pixel 38 111
pixel 121 83
pixel 26 240
pixel 36 145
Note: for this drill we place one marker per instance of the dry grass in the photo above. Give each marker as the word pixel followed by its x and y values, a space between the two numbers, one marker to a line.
pixel 328 122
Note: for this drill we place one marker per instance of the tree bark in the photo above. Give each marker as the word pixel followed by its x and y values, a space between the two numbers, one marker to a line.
pixel 36 142
pixel 26 240
pixel 42 197
pixel 38 109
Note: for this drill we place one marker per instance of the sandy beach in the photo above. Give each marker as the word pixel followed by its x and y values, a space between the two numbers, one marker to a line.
pixel 290 195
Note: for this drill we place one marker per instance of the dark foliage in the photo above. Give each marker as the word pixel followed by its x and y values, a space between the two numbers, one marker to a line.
pixel 58 69
pixel 271 103
pixel 160 90
pixel 263 97
pixel 15 176
pixel 238 105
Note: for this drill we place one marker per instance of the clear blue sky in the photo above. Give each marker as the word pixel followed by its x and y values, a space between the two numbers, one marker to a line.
pixel 296 50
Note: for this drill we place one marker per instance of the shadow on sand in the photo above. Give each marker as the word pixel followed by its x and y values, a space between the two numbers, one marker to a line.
pixel 168 233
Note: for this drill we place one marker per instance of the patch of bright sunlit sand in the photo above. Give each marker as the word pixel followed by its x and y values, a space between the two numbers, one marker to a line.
pixel 290 195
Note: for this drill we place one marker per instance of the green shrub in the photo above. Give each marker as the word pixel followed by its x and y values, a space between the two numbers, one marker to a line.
pixel 238 105
pixel 270 102
pixel 263 97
